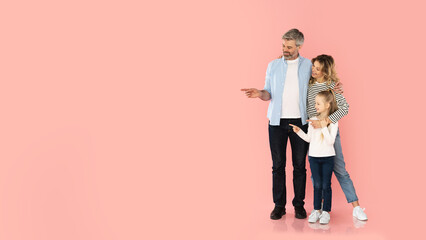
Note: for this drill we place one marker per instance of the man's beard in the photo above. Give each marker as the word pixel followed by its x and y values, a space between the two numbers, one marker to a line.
pixel 289 56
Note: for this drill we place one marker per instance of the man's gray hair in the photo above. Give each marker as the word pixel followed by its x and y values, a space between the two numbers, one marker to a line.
pixel 294 34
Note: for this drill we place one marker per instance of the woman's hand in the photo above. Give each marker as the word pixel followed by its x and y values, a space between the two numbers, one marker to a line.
pixel 295 128
pixel 338 88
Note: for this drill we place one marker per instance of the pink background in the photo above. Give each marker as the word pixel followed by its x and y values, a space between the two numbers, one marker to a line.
pixel 124 119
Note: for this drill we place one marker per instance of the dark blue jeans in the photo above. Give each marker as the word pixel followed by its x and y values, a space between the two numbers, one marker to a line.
pixel 322 169
pixel 278 136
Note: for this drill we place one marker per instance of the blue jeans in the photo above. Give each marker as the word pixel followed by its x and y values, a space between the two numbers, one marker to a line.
pixel 340 172
pixel 322 169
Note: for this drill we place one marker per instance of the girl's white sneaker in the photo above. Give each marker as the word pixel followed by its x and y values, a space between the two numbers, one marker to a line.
pixel 359 213
pixel 315 215
pixel 324 218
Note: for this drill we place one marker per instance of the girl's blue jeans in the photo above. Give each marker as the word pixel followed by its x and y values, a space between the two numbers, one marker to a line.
pixel 322 169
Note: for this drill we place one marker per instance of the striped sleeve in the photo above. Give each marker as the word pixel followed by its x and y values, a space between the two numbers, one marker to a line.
pixel 343 108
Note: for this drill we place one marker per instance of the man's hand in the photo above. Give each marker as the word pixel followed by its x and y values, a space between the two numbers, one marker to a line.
pixel 338 88
pixel 295 128
pixel 251 92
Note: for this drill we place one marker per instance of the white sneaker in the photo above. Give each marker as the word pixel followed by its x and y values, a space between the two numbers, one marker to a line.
pixel 359 213
pixel 324 218
pixel 315 215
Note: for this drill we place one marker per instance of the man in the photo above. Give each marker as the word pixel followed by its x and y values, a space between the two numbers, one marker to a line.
pixel 286 85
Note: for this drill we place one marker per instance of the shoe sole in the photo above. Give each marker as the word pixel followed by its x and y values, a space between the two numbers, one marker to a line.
pixel 279 217
pixel 359 218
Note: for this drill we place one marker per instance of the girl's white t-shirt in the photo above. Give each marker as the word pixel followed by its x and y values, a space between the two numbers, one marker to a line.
pixel 320 146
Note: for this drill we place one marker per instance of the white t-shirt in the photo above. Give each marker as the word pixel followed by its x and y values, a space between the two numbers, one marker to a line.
pixel 320 146
pixel 290 100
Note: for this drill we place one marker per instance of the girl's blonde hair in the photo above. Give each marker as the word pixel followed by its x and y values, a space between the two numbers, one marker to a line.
pixel 329 97
pixel 327 68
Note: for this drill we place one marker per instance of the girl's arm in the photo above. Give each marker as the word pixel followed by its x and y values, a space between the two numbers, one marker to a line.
pixel 303 135
pixel 330 135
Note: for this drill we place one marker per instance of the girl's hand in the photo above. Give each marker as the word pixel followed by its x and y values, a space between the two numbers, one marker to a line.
pixel 295 128
pixel 315 123
pixel 323 123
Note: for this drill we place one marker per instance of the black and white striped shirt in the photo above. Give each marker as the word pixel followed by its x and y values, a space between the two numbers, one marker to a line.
pixel 314 89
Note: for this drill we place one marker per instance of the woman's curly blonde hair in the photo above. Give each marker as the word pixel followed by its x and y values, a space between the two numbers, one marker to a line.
pixel 327 68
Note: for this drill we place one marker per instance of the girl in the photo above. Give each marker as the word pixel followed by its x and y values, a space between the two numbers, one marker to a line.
pixel 324 77
pixel 321 154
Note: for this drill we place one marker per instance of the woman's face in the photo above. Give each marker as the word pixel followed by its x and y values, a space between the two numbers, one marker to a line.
pixel 317 70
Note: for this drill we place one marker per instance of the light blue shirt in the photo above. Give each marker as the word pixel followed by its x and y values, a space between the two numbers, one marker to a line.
pixel 274 84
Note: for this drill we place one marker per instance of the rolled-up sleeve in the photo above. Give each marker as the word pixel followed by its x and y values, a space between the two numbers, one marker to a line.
pixel 267 86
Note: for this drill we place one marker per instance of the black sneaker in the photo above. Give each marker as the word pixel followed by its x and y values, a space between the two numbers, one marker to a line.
pixel 277 213
pixel 300 212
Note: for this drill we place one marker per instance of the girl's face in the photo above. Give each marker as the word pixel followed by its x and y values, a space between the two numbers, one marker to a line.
pixel 320 104
pixel 317 70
